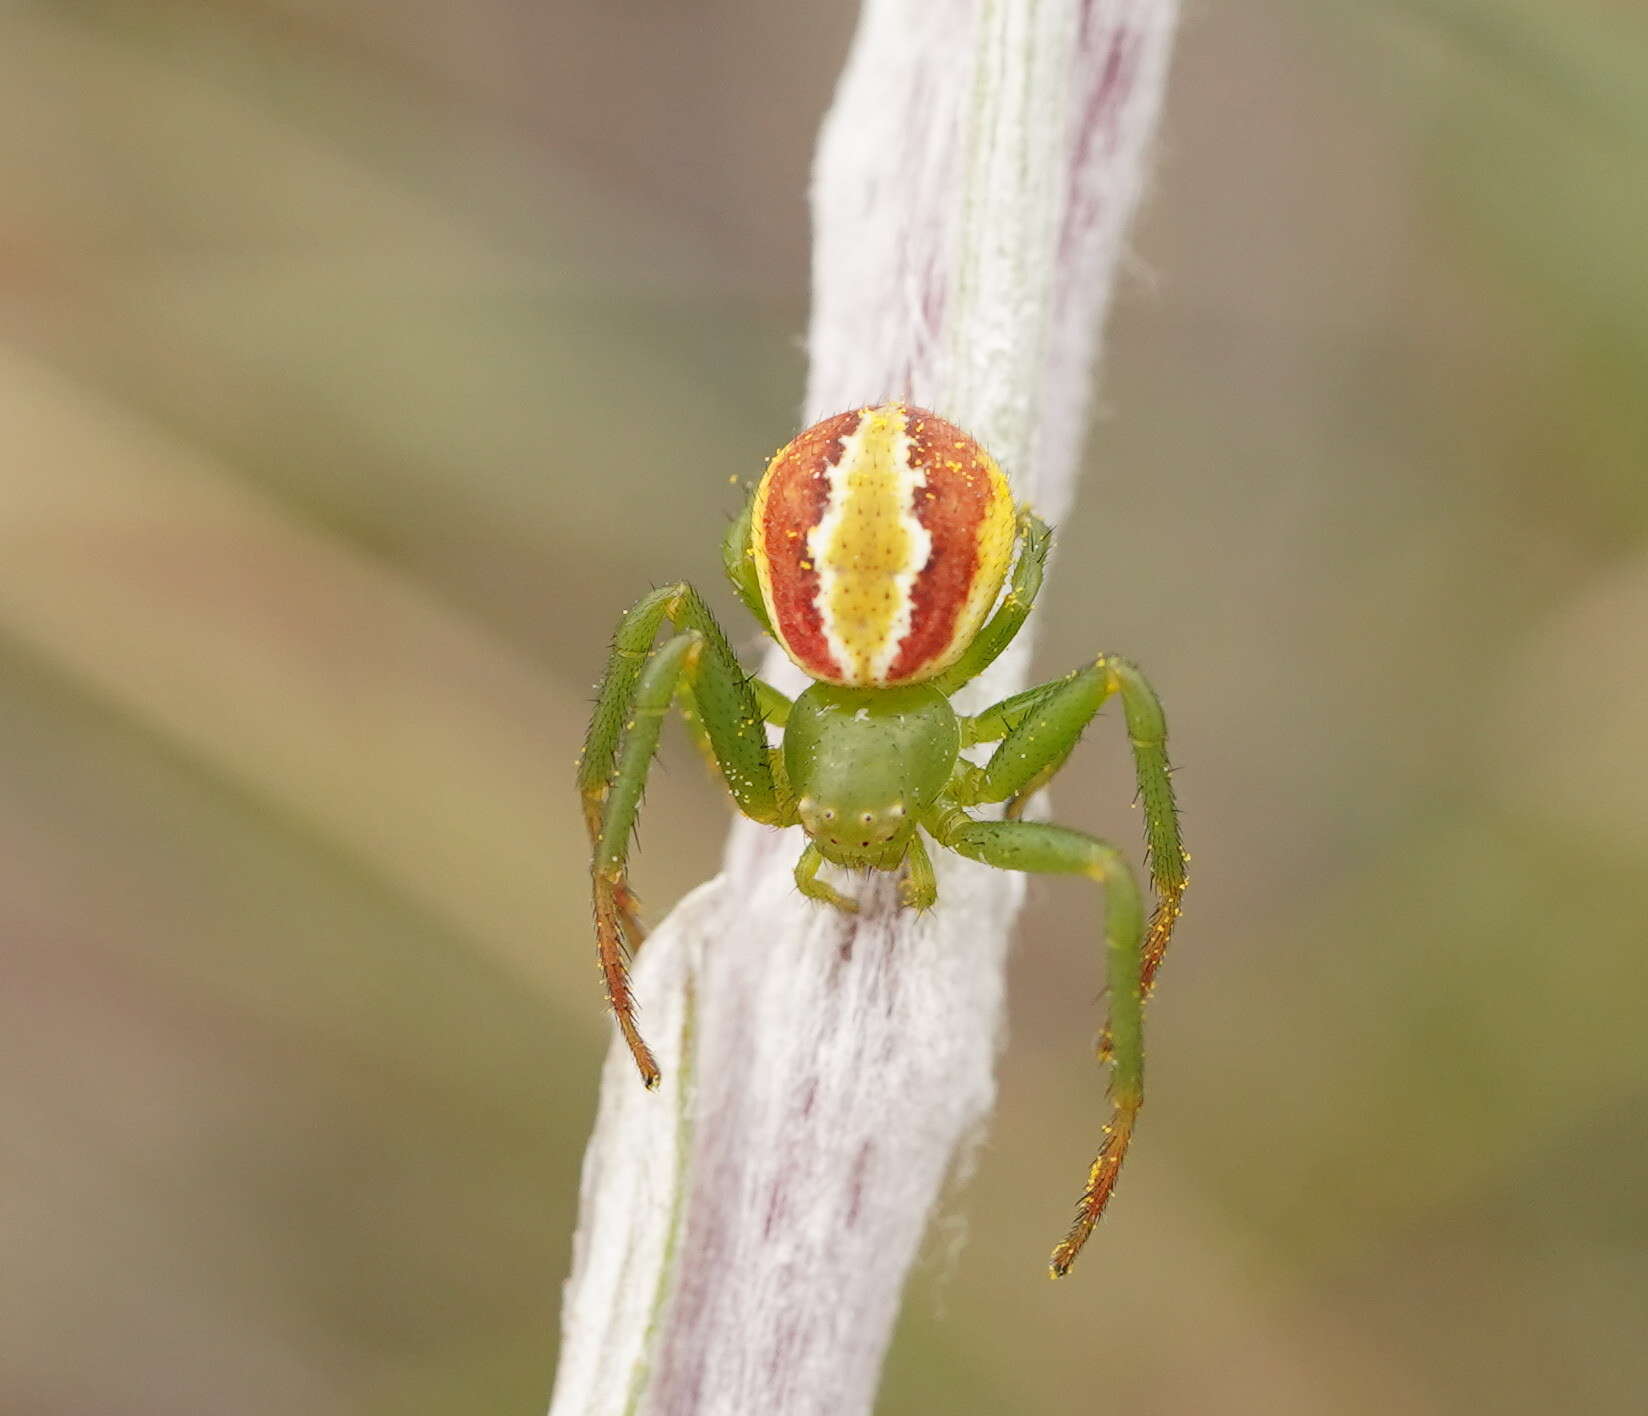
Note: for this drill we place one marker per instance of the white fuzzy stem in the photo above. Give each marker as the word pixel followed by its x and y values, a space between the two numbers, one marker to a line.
pixel 746 1230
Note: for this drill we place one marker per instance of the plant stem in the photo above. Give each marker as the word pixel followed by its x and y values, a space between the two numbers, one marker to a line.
pixel 744 1240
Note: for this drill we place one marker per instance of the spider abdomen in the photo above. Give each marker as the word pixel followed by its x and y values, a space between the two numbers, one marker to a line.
pixel 881 538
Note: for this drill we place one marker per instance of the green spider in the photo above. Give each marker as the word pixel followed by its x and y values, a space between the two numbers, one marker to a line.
pixel 873 549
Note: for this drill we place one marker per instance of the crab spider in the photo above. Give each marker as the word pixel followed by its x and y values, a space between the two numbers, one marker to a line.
pixel 873 550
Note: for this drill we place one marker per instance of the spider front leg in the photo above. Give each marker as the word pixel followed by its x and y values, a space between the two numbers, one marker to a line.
pixel 773 706
pixel 1046 849
pixel 1041 727
pixel 609 868
pixel 634 698
pixel 1038 730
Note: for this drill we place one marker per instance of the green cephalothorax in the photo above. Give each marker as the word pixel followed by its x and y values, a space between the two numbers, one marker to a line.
pixel 864 764
pixel 874 550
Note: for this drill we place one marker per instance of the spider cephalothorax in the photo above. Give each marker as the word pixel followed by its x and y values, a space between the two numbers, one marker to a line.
pixel 874 550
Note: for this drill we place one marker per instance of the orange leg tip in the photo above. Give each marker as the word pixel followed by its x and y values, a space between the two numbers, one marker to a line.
pixel 645 1063
pixel 1069 1250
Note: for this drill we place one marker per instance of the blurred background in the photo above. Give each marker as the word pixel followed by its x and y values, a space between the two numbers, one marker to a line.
pixel 360 362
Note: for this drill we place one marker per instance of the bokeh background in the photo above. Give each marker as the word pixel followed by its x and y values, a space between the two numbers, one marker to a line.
pixel 360 361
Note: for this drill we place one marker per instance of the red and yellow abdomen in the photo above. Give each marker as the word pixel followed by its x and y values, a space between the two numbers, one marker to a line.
pixel 881 538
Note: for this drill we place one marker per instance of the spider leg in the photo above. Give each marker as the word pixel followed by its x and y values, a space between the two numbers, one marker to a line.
pixel 1000 630
pixel 738 559
pixel 1046 748
pixel 1041 727
pixel 635 695
pixel 631 645
pixel 694 725
pixel 996 721
pixel 919 888
pixel 773 706
pixel 1038 730
pixel 653 693
pixel 808 883
pixel 1047 849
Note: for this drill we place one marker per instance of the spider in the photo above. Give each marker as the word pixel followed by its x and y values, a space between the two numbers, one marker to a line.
pixel 874 550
